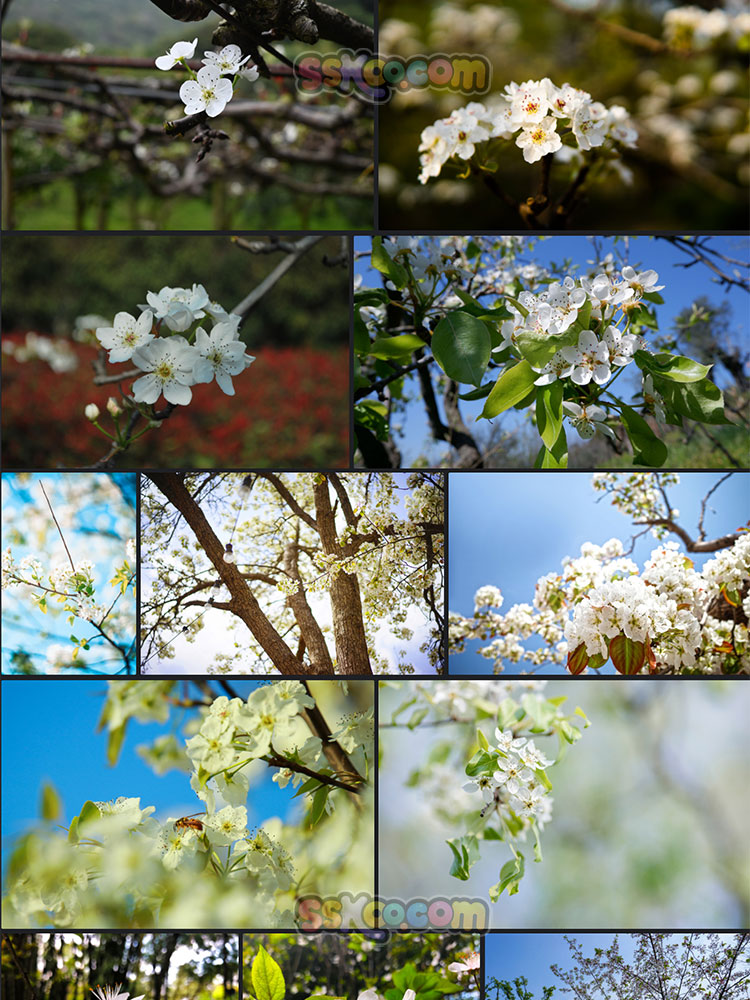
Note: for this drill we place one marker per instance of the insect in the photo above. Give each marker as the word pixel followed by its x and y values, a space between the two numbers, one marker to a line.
pixel 188 823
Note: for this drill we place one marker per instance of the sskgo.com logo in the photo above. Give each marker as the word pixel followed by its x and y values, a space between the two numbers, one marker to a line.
pixel 346 911
pixel 377 78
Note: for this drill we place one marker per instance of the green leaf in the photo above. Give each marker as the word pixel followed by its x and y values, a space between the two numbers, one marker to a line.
pixel 583 319
pixel 475 307
pixel 480 393
pixel 541 348
pixel 549 413
pixel 461 346
pixel 361 335
pixel 482 740
pixel 50 806
pixel 557 457
pixel 537 843
pixel 89 811
pixel 643 316
pixel 114 744
pixel 510 388
pixel 508 712
pixel 510 875
pixel 539 710
pixel 648 449
pixel 627 655
pixel 465 854
pixel 371 297
pixel 268 980
pixel 702 401
pixel 674 367
pixel 372 414
pixel 480 762
pixel 318 808
pixel 417 716
pixel 401 346
pixel 653 297
pixel 382 262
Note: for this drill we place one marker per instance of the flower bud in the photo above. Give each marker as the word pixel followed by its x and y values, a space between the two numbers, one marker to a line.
pixel 113 407
pixel 92 412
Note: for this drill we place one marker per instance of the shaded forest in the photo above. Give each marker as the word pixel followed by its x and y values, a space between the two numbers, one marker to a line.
pixel 158 966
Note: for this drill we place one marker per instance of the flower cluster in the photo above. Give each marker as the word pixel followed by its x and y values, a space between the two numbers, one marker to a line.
pixel 693 27
pixel 583 315
pixel 640 495
pixel 531 111
pixel 669 617
pixel 210 89
pixel 510 774
pixel 517 783
pixel 172 363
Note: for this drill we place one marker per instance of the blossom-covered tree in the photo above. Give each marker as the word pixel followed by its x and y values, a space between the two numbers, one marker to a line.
pixel 313 573
pixel 663 967
pixel 668 618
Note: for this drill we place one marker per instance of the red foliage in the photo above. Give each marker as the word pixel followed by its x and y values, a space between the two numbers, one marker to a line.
pixel 291 409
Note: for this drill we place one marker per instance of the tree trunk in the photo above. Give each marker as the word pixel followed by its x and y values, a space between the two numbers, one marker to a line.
pixel 346 600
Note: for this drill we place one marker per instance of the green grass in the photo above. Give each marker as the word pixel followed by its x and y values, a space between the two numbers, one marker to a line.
pixel 53 208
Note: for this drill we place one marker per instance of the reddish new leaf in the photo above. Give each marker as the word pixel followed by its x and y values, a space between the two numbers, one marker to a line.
pixel 628 656
pixel 578 659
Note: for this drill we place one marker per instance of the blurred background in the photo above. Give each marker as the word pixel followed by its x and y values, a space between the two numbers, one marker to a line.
pixel 688 100
pixel 342 965
pixel 96 514
pixel 290 407
pixel 161 966
pixel 84 145
pixel 647 830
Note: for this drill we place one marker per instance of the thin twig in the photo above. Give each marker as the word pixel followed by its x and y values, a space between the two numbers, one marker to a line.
pixel 62 537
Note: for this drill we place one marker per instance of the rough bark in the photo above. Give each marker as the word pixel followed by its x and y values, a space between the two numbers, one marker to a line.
pixel 346 600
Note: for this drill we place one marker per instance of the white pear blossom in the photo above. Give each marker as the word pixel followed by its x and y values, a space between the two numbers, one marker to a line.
pixel 178 308
pixel 228 61
pixel 220 355
pixel 533 110
pixel 590 359
pixel 178 52
pixel 169 363
pixel 539 139
pixel 127 334
pixel 209 92
pixel 587 420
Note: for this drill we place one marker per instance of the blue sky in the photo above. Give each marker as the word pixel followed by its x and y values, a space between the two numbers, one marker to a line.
pixel 510 956
pixel 682 287
pixel 49 734
pixel 509 528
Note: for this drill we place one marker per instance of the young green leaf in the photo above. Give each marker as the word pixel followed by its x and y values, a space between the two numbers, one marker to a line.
pixel 512 386
pixel 648 449
pixel 461 346
pixel 267 977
